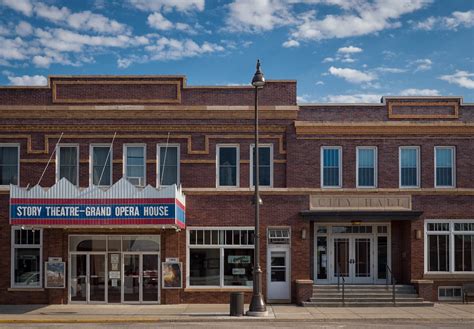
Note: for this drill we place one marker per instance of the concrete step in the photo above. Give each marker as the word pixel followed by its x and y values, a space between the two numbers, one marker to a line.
pixel 367 295
pixel 362 292
pixel 363 299
pixel 368 304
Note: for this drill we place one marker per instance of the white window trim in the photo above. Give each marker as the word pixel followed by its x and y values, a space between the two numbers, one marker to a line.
pixel 17 145
pixel 453 171
pixel 252 146
pixel 58 151
pixel 418 166
pixel 451 233
pixel 91 161
pixel 178 169
pixel 25 246
pixel 450 298
pixel 322 166
pixel 375 166
pixel 124 168
pixel 221 247
pixel 237 159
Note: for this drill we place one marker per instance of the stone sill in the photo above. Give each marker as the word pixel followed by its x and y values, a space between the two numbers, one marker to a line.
pixel 26 289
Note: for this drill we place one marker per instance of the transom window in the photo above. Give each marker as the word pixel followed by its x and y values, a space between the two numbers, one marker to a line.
pixel 135 164
pixel 409 166
pixel 331 166
pixel 279 236
pixel 220 257
pixel 101 165
pixel 366 166
pixel 168 165
pixel 265 165
pixel 68 163
pixel 9 168
pixel 26 258
pixel 449 246
pixel 227 165
pixel 444 166
pixel 352 229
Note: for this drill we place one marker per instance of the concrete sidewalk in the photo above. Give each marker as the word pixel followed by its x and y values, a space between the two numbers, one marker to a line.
pixel 220 312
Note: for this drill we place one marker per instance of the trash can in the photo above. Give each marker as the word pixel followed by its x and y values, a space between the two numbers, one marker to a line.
pixel 236 304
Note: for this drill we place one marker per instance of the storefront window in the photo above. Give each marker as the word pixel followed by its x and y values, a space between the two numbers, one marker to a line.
pixel 220 257
pixel 26 255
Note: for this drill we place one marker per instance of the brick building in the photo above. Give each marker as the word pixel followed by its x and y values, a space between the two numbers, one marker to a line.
pixel 356 191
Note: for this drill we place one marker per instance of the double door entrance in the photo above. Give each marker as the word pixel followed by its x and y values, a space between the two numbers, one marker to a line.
pixel 115 277
pixel 352 259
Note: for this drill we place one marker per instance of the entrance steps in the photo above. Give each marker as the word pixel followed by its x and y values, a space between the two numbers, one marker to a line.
pixel 365 296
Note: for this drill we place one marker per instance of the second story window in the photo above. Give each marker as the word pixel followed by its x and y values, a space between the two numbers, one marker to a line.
pixel 409 166
pixel 331 166
pixel 68 163
pixel 9 168
pixel 265 164
pixel 101 162
pixel 444 166
pixel 366 166
pixel 168 165
pixel 227 165
pixel 135 164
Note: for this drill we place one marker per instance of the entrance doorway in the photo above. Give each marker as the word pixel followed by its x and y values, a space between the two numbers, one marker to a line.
pixel 358 253
pixel 278 265
pixel 88 282
pixel 140 278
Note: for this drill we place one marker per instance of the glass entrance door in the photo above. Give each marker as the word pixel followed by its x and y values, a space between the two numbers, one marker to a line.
pixel 341 258
pixel 88 278
pixel 361 261
pixel 141 280
pixel 352 259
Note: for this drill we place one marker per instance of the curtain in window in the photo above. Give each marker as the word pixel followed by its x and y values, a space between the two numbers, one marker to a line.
pixel 409 167
pixel 135 162
pixel 444 167
pixel 228 166
pixel 331 167
pixel 366 167
pixel 438 253
pixel 8 165
pixel 464 252
pixel 68 164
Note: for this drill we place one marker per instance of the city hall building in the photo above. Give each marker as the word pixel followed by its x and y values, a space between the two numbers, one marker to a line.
pixel 139 189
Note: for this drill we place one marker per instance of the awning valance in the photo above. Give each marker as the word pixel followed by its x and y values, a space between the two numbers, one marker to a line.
pixel 122 204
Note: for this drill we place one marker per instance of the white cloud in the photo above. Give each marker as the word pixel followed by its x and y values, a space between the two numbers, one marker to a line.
pixel 24 29
pixel 352 75
pixel 257 16
pixel 52 13
pixel 159 22
pixel 355 98
pixel 291 43
pixel 419 92
pixel 174 49
pixel 42 61
pixel 384 69
pixel 349 50
pixel 319 82
pixel 13 49
pixel 328 60
pixel 23 6
pixel 423 64
pixel 28 80
pixel 167 5
pixel 348 60
pixel 461 78
pixel 456 20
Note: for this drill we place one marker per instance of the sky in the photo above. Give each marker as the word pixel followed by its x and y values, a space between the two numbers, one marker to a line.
pixel 339 51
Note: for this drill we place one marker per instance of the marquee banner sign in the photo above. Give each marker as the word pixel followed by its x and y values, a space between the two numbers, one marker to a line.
pixel 122 204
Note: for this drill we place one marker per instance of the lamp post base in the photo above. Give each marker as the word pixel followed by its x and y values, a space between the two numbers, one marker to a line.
pixel 257 306
pixel 257 314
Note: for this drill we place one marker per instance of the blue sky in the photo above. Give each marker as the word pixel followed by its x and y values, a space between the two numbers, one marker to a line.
pixel 337 50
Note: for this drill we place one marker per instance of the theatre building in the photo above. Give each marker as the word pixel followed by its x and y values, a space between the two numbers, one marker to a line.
pixel 139 189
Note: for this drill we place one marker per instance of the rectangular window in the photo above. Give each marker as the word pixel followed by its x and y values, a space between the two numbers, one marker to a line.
pixel 409 166
pixel 101 165
pixel 26 258
pixel 220 257
pixel 449 293
pixel 265 164
pixel 366 167
pixel 444 166
pixel 227 165
pixel 9 164
pixel 135 164
pixel 450 246
pixel 168 168
pixel 68 163
pixel 331 166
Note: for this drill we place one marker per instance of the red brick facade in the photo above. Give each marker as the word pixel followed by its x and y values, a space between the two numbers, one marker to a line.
pixel 199 118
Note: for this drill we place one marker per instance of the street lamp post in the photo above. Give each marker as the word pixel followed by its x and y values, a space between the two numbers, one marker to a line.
pixel 257 305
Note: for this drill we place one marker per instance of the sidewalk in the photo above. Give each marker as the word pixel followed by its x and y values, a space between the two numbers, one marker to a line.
pixel 219 312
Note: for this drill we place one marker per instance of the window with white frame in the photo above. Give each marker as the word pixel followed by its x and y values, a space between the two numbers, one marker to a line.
pixel 228 165
pixel 444 166
pixel 279 236
pixel 331 166
pixel 68 163
pixel 449 293
pixel 220 257
pixel 366 159
pixel 450 246
pixel 409 166
pixel 101 165
pixel 135 164
pixel 265 165
pixel 26 258
pixel 168 164
pixel 9 164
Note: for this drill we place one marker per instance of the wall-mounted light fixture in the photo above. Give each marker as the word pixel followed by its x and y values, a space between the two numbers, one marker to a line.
pixel 356 222
pixel 418 234
pixel 303 234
